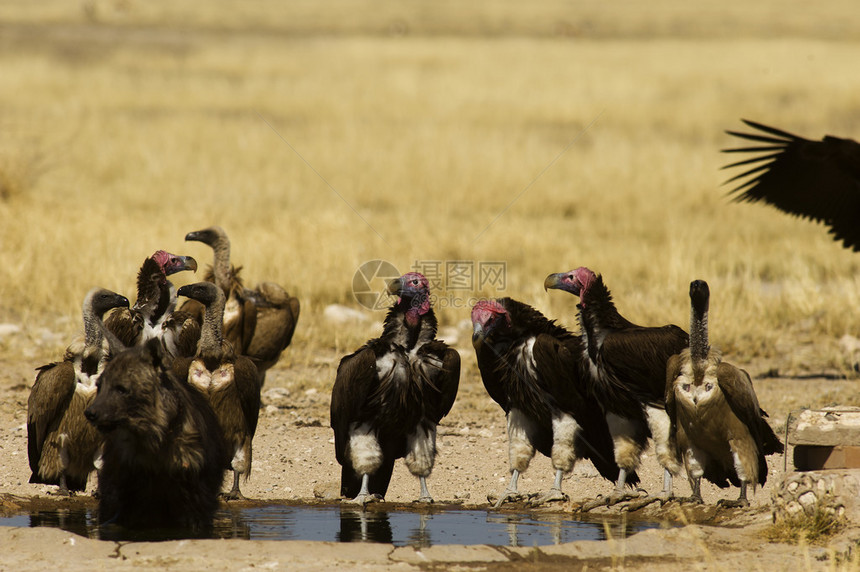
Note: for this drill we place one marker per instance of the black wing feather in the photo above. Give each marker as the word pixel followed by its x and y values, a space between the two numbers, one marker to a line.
pixel 818 180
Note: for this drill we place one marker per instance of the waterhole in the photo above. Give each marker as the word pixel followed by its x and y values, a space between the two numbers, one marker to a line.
pixel 351 524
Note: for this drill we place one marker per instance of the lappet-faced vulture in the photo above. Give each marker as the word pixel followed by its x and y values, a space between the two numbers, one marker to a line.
pixel 627 366
pixel 535 370
pixel 152 315
pixel 390 394
pixel 818 180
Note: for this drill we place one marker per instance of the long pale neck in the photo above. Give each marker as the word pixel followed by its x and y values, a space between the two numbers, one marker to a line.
pixel 221 264
pixel 211 333
pixel 699 346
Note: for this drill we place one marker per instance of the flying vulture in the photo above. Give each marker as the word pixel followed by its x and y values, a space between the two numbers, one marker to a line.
pixel 534 369
pixel 228 380
pixel 260 322
pixel 152 315
pixel 627 365
pixel 817 180
pixel 390 394
pixel 718 425
pixel 61 444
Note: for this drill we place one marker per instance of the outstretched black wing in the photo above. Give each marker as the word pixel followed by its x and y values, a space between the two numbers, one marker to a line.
pixel 818 180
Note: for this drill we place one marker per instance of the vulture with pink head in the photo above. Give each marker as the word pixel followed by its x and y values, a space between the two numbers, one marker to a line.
pixel 152 315
pixel 390 394
pixel 534 369
pixel 627 376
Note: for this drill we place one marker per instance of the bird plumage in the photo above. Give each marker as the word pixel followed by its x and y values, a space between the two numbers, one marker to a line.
pixel 719 428
pixel 259 322
pixel 61 445
pixel 152 315
pixel 390 394
pixel 228 381
pixel 816 180
pixel 534 367
pixel 627 367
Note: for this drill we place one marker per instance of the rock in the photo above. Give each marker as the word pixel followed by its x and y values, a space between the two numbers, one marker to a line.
pixel 276 396
pixel 833 492
pixel 7 329
pixel 340 314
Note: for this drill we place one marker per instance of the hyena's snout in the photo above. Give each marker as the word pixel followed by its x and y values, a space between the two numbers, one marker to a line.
pixel 100 417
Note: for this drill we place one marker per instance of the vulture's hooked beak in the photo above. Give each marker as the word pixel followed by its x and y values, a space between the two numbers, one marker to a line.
pixel 553 281
pixel 195 236
pixel 395 287
pixel 478 335
pixel 189 263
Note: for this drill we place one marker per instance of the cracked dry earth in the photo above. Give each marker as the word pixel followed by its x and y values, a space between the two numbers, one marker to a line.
pixel 294 464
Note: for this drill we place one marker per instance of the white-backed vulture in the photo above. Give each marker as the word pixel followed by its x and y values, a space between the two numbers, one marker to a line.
pixel 259 322
pixel 534 369
pixel 61 445
pixel 228 380
pixel 818 180
pixel 389 396
pixel 152 315
pixel 627 365
pixel 719 428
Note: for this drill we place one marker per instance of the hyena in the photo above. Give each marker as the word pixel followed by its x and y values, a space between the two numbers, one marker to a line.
pixel 163 452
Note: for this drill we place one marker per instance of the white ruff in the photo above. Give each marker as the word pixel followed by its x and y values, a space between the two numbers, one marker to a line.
pixel 660 425
pixel 239 462
pixel 564 429
pixel 627 451
pixel 520 448
pixel 422 451
pixel 364 451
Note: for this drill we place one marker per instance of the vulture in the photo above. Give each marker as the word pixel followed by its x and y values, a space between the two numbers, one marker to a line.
pixel 817 180
pixel 390 394
pixel 260 322
pixel 534 369
pixel 61 445
pixel 719 428
pixel 627 365
pixel 152 315
pixel 228 381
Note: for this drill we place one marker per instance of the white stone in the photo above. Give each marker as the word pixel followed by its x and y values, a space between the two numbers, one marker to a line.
pixel 6 329
pixel 340 314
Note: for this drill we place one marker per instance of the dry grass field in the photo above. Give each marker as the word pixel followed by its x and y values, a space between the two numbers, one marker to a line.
pixel 545 135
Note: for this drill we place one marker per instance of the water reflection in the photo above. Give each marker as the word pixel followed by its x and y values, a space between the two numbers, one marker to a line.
pixel 351 524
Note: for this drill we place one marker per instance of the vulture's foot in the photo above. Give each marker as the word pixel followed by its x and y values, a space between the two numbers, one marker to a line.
pixel 364 498
pixel 662 498
pixel 507 496
pixel 690 500
pixel 552 495
pixel 234 494
pixel 737 503
pixel 425 499
pixel 611 499
pixel 62 492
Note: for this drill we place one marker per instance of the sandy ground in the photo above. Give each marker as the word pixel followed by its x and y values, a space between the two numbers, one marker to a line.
pixel 294 461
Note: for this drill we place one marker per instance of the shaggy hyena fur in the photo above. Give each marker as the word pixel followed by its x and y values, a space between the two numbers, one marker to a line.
pixel 163 453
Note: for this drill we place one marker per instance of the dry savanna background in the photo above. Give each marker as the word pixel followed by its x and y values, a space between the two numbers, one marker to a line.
pixel 546 135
